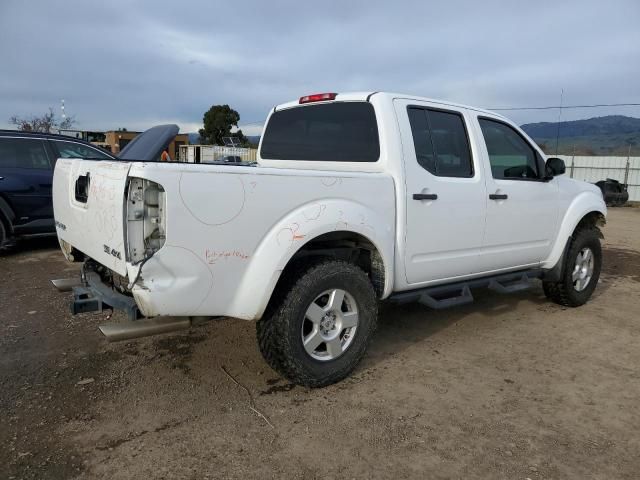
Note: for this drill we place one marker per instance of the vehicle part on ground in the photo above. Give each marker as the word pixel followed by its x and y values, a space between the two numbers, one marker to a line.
pixel 116 332
pixel 615 194
pixel 317 329
pixel 66 284
pixel 582 265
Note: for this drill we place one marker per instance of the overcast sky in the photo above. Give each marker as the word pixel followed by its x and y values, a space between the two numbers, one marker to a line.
pixel 135 64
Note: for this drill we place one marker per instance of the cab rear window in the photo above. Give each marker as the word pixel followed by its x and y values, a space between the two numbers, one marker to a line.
pixel 329 132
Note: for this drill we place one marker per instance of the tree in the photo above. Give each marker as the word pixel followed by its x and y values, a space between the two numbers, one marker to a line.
pixel 218 122
pixel 42 124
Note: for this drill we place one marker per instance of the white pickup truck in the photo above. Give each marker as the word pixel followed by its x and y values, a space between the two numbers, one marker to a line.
pixel 355 198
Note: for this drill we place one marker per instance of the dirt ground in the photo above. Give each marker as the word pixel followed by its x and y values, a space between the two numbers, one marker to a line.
pixel 510 387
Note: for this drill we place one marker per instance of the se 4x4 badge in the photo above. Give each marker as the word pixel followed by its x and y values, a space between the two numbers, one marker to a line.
pixel 112 251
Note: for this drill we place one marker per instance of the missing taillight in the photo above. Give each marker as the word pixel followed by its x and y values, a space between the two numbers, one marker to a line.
pixel 146 219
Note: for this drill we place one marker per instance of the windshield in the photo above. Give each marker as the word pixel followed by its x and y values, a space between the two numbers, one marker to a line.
pixel 328 132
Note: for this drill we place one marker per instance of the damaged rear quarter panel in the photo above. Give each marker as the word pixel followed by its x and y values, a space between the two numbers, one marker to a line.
pixel 231 230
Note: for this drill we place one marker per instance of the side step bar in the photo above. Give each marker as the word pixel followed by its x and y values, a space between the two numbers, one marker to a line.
pixel 508 286
pixel 452 298
pixel 459 293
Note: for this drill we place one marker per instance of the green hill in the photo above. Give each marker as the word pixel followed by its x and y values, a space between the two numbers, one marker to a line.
pixel 609 135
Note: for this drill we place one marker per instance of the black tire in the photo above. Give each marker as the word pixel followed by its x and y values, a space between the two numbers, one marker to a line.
pixel 264 326
pixel 565 292
pixel 4 235
pixel 280 331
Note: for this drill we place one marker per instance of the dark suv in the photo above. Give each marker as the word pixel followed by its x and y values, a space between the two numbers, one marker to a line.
pixel 26 174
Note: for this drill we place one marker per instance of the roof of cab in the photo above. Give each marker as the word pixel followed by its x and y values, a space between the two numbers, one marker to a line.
pixel 365 96
pixel 341 97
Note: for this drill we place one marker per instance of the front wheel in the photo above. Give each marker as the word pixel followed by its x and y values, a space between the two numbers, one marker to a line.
pixel 581 270
pixel 320 328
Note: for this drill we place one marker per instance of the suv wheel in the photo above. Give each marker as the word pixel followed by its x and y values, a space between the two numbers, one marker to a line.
pixel 581 270
pixel 4 235
pixel 321 325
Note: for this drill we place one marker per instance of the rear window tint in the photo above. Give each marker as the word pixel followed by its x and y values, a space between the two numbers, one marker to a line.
pixel 331 132
pixel 441 143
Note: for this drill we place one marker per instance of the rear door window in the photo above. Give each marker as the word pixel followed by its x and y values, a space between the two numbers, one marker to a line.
pixel 331 132
pixel 441 143
pixel 23 153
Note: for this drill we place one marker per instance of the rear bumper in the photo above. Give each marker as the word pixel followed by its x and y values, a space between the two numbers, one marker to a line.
pixel 95 296
pixel 91 294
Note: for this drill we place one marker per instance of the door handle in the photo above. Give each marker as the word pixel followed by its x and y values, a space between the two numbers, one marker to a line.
pixel 498 196
pixel 1 178
pixel 425 196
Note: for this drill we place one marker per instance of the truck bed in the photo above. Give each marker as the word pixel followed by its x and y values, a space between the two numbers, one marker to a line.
pixel 229 229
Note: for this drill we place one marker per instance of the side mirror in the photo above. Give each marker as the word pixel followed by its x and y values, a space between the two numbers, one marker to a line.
pixel 555 166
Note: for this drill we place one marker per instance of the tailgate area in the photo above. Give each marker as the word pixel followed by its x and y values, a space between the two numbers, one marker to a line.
pixel 88 205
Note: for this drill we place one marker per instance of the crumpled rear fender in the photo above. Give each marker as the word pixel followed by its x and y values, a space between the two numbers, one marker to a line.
pixel 301 226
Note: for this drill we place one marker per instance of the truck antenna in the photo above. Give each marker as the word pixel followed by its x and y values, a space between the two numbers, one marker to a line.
pixel 559 117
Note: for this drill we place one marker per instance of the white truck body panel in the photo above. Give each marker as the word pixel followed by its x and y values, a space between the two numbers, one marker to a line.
pixel 519 231
pixel 449 243
pixel 231 230
pixel 575 200
pixel 96 227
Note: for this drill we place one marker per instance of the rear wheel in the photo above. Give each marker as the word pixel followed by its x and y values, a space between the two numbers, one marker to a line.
pixel 4 234
pixel 581 270
pixel 320 327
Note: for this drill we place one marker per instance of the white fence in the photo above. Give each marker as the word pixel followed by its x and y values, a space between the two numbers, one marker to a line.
pixel 211 153
pixel 592 169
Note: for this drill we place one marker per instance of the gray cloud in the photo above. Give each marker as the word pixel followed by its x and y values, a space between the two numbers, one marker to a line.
pixel 135 64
